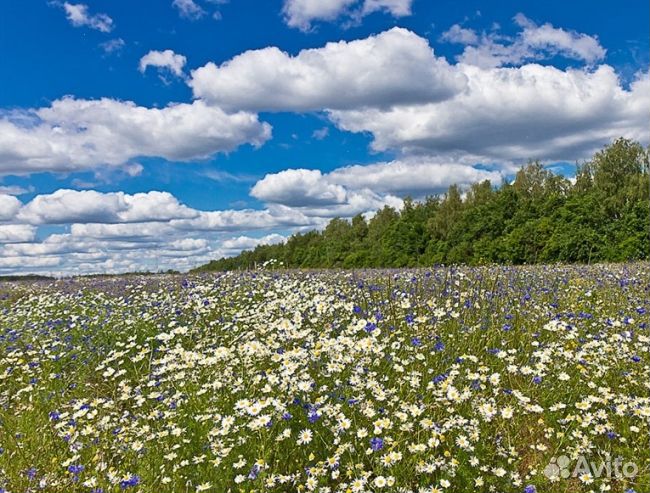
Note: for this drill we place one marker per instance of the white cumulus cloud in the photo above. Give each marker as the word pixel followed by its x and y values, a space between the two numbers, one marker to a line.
pixel 532 43
pixel 89 206
pixel 248 242
pixel 9 206
pixel 298 187
pixel 166 59
pixel 518 113
pixel 393 67
pixel 361 188
pixel 78 15
pixel 189 9
pixel 74 134
pixel 16 233
pixel 302 13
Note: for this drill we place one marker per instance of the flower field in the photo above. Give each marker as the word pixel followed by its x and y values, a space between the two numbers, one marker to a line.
pixel 447 379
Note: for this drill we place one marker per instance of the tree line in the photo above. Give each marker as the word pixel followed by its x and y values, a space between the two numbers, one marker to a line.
pixel 603 215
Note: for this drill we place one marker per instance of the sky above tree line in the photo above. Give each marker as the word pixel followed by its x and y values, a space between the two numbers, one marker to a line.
pixel 162 134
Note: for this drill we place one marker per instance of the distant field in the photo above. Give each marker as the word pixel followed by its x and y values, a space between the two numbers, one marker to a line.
pixel 491 379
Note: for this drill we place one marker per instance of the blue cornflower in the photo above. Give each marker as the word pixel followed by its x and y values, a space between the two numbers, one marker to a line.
pixel 409 318
pixel 376 443
pixel 370 327
pixel 537 379
pixel 439 346
pixel 75 468
pixel 255 470
pixel 416 341
pixel 530 489
pixel 439 378
pixel 132 481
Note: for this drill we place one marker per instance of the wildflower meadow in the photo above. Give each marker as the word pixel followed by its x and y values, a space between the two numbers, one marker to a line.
pixel 487 379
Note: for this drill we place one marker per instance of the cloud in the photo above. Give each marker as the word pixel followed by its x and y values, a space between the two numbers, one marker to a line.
pixel 559 41
pixel 109 175
pixel 69 206
pixel 163 60
pixel 225 176
pixel 78 15
pixel 240 243
pixel 397 8
pixel 317 196
pixel 298 187
pixel 137 232
pixel 461 35
pixel 518 113
pixel 320 133
pixel 9 206
pixel 391 85
pixel 74 254
pixel 302 13
pixel 532 43
pixel 133 169
pixel 97 247
pixel 357 202
pixel 13 190
pixel 244 220
pixel 112 45
pixel 75 134
pixel 417 177
pixel 12 233
pixel 394 87
pixel 353 189
pixel 189 9
pixel 393 67
pixel 17 264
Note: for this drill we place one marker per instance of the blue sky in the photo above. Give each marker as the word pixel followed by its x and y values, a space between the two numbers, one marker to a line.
pixel 252 126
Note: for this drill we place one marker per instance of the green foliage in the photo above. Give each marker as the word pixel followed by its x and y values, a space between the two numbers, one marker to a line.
pixel 541 217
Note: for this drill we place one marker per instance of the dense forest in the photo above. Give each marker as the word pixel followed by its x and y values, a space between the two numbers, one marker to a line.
pixel 603 215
